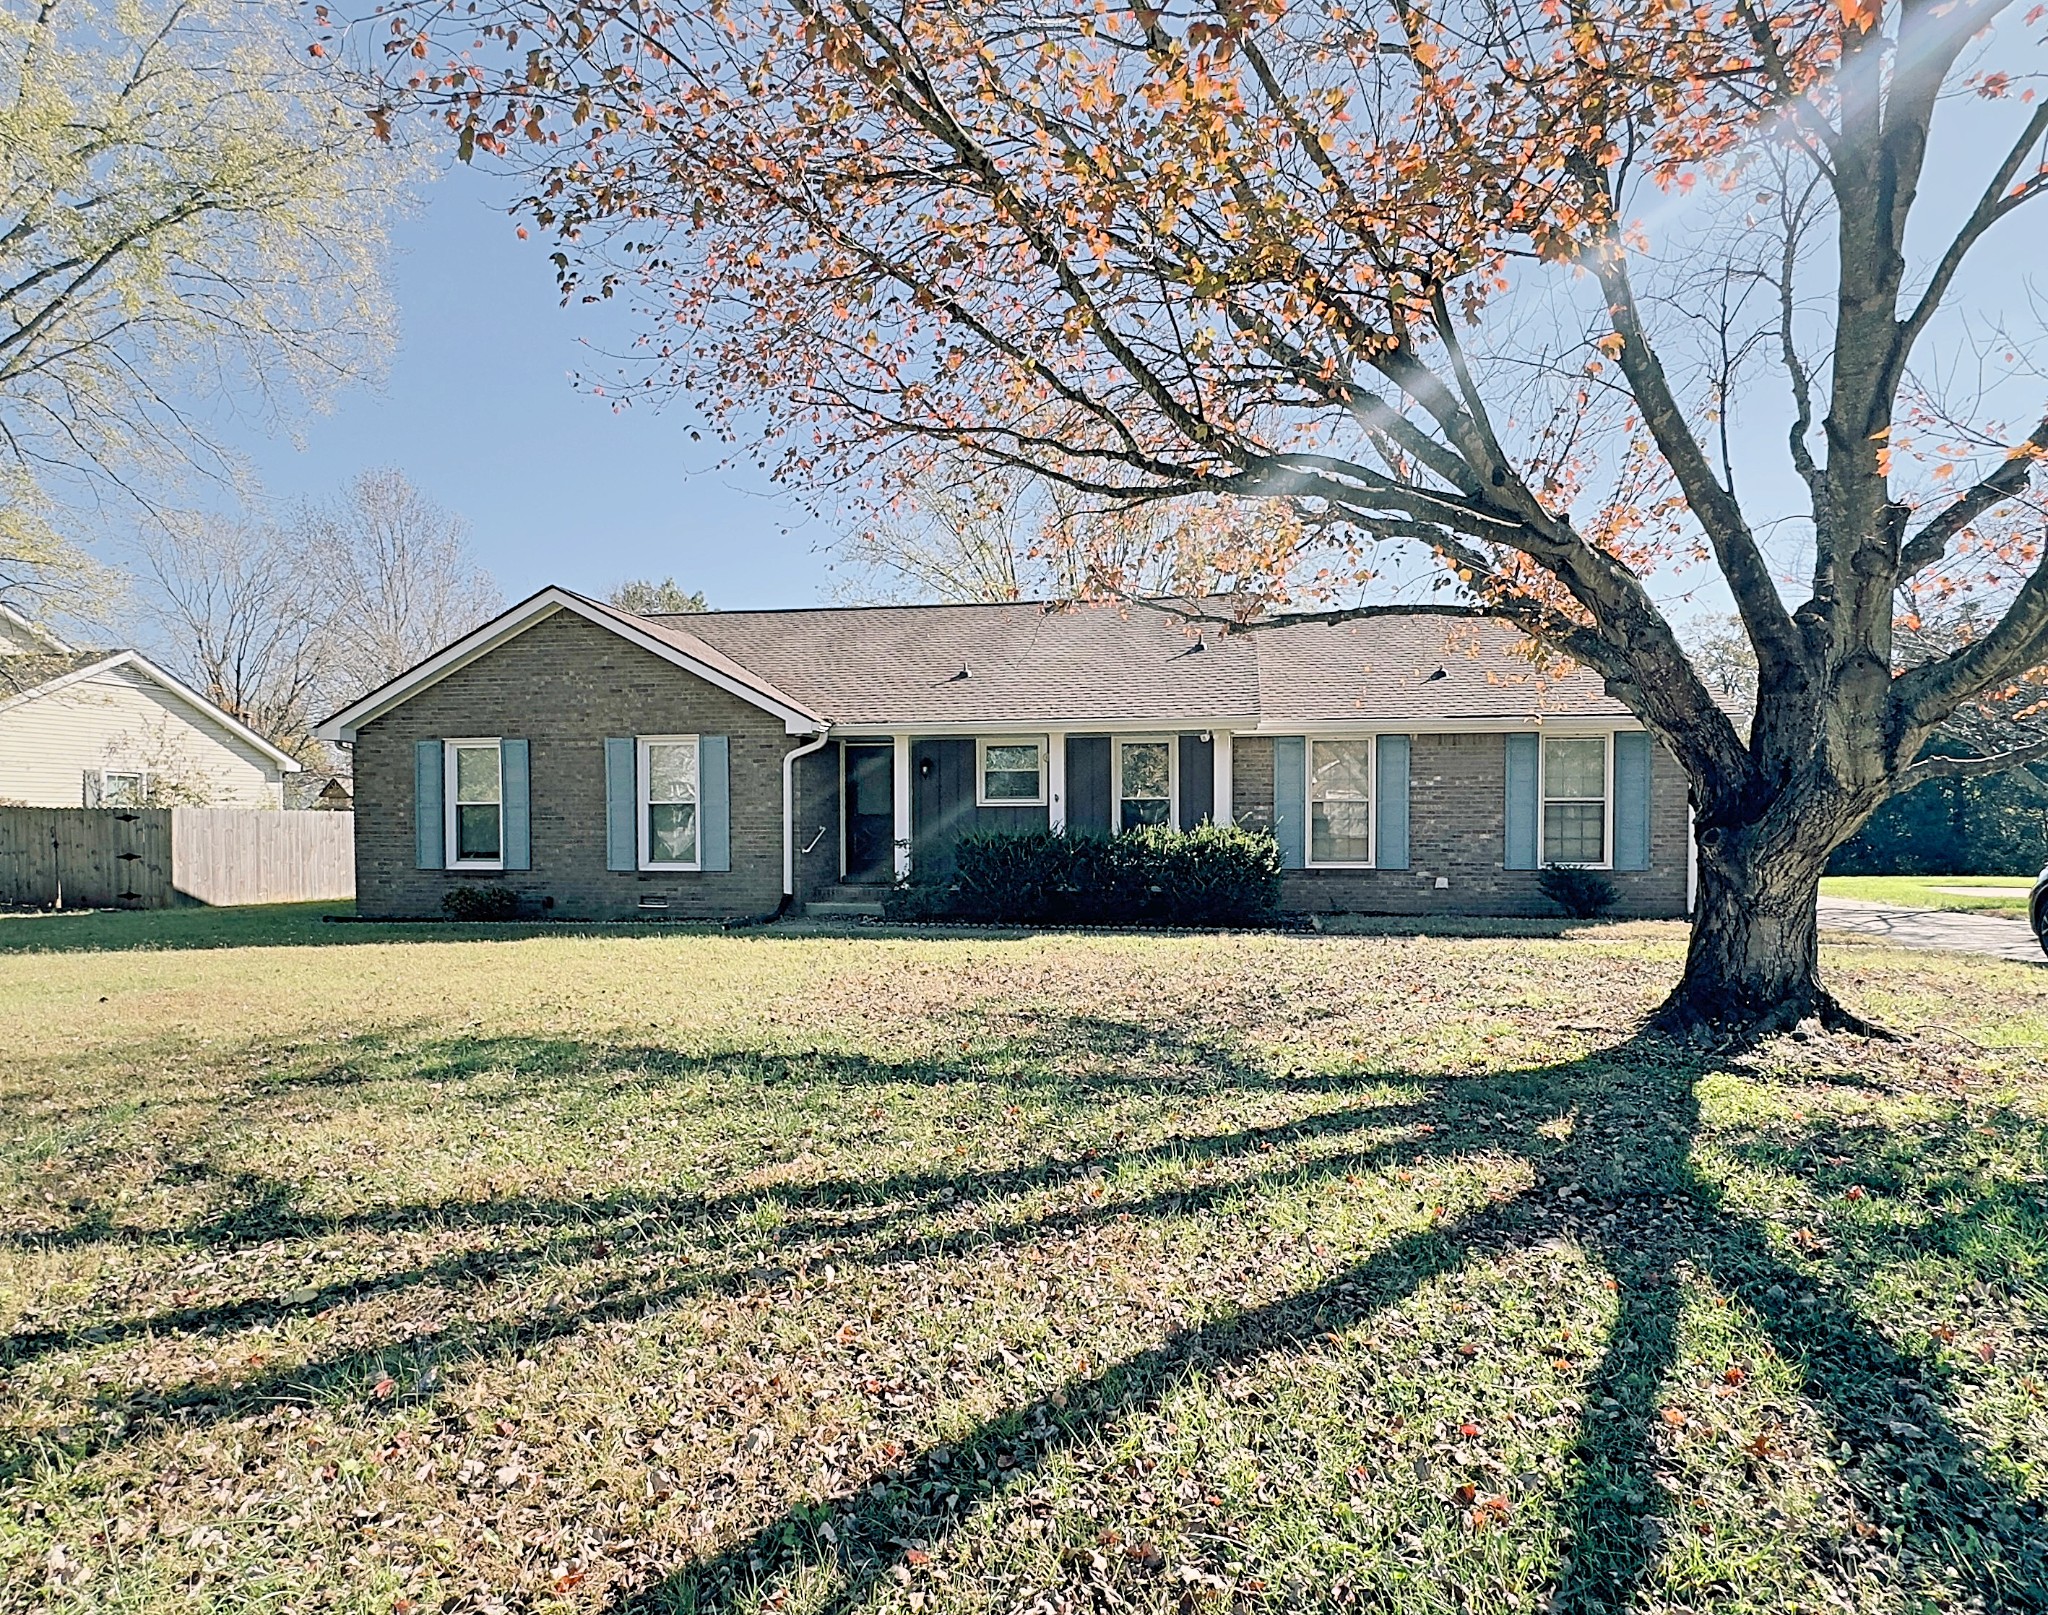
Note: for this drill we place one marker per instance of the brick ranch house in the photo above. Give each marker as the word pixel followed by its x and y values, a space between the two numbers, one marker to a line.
pixel 735 763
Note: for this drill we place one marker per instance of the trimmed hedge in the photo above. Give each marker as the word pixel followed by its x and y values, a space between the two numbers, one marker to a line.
pixel 1210 875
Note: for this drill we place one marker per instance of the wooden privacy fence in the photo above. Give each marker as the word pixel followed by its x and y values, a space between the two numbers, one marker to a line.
pixel 158 857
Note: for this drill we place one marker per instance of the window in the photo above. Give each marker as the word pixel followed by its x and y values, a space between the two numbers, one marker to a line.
pixel 1012 773
pixel 1144 788
pixel 124 789
pixel 1575 799
pixel 1340 801
pixel 476 805
pixel 668 802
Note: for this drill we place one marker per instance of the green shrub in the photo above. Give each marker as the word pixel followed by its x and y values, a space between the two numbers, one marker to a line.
pixel 1581 893
pixel 1211 875
pixel 481 903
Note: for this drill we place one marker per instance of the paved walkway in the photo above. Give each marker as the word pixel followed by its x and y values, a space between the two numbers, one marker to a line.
pixel 1933 928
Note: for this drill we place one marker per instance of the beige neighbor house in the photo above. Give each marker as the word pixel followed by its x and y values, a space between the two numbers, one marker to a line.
pixel 735 763
pixel 109 728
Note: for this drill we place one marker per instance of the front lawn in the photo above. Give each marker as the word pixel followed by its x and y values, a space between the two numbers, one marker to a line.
pixel 1970 894
pixel 398 1271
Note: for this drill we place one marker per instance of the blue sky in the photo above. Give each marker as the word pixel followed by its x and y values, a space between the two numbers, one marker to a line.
pixel 478 409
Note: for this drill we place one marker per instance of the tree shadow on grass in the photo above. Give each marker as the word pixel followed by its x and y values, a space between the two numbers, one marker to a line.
pixel 1621 1185
pixel 1925 1485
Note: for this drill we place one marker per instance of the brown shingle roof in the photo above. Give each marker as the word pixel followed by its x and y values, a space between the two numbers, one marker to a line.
pixel 1026 662
pixel 1022 662
pixel 1422 666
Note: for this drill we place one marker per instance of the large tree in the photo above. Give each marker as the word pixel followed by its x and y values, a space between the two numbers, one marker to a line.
pixel 191 229
pixel 1491 279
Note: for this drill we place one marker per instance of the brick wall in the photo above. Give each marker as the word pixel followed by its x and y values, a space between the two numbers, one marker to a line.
pixel 564 685
pixel 1457 811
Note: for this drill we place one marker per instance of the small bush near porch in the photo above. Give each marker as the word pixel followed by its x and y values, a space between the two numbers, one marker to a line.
pixel 367 1269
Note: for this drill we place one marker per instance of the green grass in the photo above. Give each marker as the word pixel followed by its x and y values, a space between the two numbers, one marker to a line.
pixel 1928 891
pixel 369 1269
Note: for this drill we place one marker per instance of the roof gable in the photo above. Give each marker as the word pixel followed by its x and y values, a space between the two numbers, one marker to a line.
pixel 31 678
pixel 672 644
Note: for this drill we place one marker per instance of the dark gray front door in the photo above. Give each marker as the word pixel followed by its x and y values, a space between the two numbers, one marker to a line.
pixel 870 813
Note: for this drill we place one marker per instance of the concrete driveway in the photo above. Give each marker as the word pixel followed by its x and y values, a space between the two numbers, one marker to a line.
pixel 1933 928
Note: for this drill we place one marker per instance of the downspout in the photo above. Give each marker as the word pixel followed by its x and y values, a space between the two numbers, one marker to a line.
pixel 789 819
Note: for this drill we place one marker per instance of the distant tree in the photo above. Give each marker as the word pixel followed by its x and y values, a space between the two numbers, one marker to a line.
pixel 1725 659
pixel 396 575
pixel 964 532
pixel 188 211
pixel 644 597
pixel 244 618
pixel 278 621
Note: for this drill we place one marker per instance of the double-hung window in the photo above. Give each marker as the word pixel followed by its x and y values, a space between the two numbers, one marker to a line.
pixel 1340 801
pixel 668 802
pixel 1144 783
pixel 1009 773
pixel 1575 777
pixel 476 805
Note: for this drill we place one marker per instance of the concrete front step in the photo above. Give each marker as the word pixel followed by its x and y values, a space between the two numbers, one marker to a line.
pixel 842 910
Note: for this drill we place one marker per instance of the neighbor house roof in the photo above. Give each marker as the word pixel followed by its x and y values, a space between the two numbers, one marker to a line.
pixel 1021 663
pixel 33 675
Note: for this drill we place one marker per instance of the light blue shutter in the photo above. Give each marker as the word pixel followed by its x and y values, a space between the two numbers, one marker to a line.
pixel 518 804
pixel 1522 806
pixel 428 805
pixel 1632 800
pixel 714 805
pixel 1290 798
pixel 1391 792
pixel 621 806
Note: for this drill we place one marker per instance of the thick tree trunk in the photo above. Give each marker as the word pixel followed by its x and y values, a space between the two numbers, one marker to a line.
pixel 1754 964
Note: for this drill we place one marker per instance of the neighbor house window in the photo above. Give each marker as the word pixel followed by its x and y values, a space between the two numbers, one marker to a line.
pixel 1340 801
pixel 476 805
pixel 1575 799
pixel 1144 783
pixel 1012 773
pixel 668 802
pixel 129 788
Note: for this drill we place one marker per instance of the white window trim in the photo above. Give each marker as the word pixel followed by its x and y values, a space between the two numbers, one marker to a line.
pixel 1309 860
pixel 981 746
pixel 140 775
pixel 1116 777
pixel 643 782
pixel 448 802
pixel 1543 797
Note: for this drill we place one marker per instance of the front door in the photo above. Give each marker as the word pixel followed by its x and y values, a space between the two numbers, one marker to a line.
pixel 871 813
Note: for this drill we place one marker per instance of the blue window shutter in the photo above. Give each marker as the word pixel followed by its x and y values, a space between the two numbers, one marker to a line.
pixel 621 806
pixel 714 804
pixel 1632 800
pixel 1391 790
pixel 1290 798
pixel 518 808
pixel 1522 805
pixel 428 805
